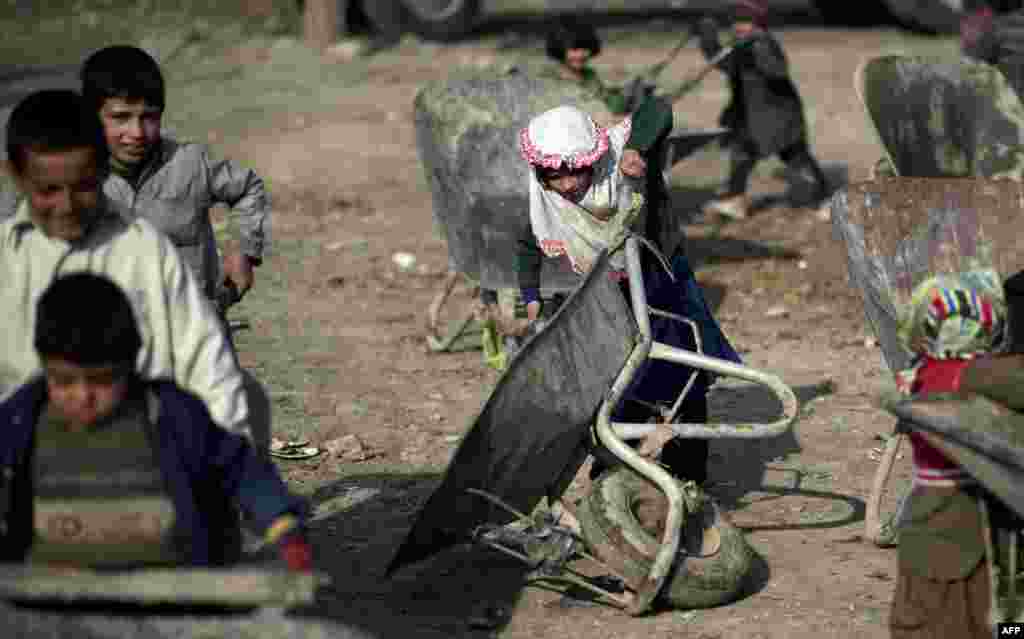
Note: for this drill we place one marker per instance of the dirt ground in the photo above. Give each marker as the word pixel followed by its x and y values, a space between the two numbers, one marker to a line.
pixel 336 331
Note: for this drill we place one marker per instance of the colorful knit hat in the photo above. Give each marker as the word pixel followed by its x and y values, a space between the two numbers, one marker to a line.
pixel 956 316
pixel 563 136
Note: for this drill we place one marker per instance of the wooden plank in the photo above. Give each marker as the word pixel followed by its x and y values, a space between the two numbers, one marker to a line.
pixel 244 587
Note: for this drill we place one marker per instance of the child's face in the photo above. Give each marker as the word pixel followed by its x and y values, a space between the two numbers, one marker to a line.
pixel 743 28
pixel 575 59
pixel 132 128
pixel 572 184
pixel 84 395
pixel 62 189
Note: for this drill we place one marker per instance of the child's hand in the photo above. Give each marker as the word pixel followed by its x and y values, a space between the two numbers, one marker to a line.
pixel 238 268
pixel 288 536
pixel 295 551
pixel 633 164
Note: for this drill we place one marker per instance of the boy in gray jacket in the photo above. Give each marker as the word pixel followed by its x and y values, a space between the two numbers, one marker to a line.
pixel 173 184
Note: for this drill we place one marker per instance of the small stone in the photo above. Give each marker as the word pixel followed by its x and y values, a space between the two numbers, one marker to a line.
pixel 802 265
pixel 870 342
pixel 349 448
pixel 404 261
pixel 436 396
pixel 777 311
pixel 348 49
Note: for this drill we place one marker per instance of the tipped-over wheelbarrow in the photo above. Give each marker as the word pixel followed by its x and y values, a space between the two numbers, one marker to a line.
pixel 933 119
pixel 889 227
pixel 550 408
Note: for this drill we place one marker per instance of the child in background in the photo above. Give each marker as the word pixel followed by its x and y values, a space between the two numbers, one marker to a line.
pixel 170 183
pixel 765 116
pixel 572 43
pixel 105 469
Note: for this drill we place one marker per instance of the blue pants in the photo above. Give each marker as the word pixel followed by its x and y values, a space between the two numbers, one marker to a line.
pixel 660 382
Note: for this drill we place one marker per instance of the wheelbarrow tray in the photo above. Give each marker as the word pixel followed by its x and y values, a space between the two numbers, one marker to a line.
pixel 245 587
pixel 532 434
pixel 943 118
pixel 685 142
pixel 886 226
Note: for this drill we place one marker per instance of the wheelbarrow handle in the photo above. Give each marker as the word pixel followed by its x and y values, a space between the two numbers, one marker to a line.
pixel 646 348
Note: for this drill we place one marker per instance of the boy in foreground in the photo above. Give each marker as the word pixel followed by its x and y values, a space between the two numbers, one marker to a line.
pixel 106 469
pixel 58 156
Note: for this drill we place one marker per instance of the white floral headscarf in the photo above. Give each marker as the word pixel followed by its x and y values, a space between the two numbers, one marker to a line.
pixel 566 136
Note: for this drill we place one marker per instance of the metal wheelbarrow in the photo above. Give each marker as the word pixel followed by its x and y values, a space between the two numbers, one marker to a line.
pixel 548 410
pixel 886 226
pixel 933 118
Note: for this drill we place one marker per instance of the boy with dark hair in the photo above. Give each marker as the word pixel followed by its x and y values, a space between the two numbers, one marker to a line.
pixel 765 116
pixel 106 469
pixel 57 155
pixel 172 184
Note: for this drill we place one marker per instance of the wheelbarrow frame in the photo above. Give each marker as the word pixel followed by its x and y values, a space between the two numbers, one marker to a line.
pixel 613 435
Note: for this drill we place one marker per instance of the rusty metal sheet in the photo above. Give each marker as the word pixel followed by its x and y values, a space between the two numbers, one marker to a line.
pixel 886 226
pixel 944 118
pixel 533 430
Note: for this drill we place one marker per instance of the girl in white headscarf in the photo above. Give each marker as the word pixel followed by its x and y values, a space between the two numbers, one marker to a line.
pixel 579 174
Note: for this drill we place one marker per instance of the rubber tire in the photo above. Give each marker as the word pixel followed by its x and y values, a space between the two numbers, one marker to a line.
pixel 611 527
pixel 458 23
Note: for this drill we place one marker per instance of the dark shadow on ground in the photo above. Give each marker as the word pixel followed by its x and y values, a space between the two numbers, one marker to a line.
pixel 739 467
pixel 358 525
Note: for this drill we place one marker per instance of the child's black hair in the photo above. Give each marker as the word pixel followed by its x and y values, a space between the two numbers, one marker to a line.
pixel 87 320
pixel 122 71
pixel 572 33
pixel 53 120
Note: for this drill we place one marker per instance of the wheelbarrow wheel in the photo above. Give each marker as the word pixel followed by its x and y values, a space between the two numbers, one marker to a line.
pixel 623 519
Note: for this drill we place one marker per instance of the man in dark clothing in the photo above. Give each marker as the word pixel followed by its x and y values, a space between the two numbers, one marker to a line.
pixel 765 116
pixel 999 42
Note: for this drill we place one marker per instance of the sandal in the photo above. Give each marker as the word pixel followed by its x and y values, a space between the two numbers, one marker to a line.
pixel 278 445
pixel 302 452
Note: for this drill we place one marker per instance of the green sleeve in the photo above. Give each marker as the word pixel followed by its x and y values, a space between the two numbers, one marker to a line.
pixel 997 378
pixel 612 97
pixel 651 123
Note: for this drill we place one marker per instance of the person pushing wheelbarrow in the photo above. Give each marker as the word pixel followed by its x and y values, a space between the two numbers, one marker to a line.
pixel 579 175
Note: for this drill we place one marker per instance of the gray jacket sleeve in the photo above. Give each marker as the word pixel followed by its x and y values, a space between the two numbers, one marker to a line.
pixel 244 192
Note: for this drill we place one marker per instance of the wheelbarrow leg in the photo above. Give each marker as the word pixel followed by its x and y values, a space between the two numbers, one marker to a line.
pixel 436 343
pixel 876 531
pixel 610 435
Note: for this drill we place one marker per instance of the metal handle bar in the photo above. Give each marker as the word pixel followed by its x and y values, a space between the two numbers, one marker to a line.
pixel 609 438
